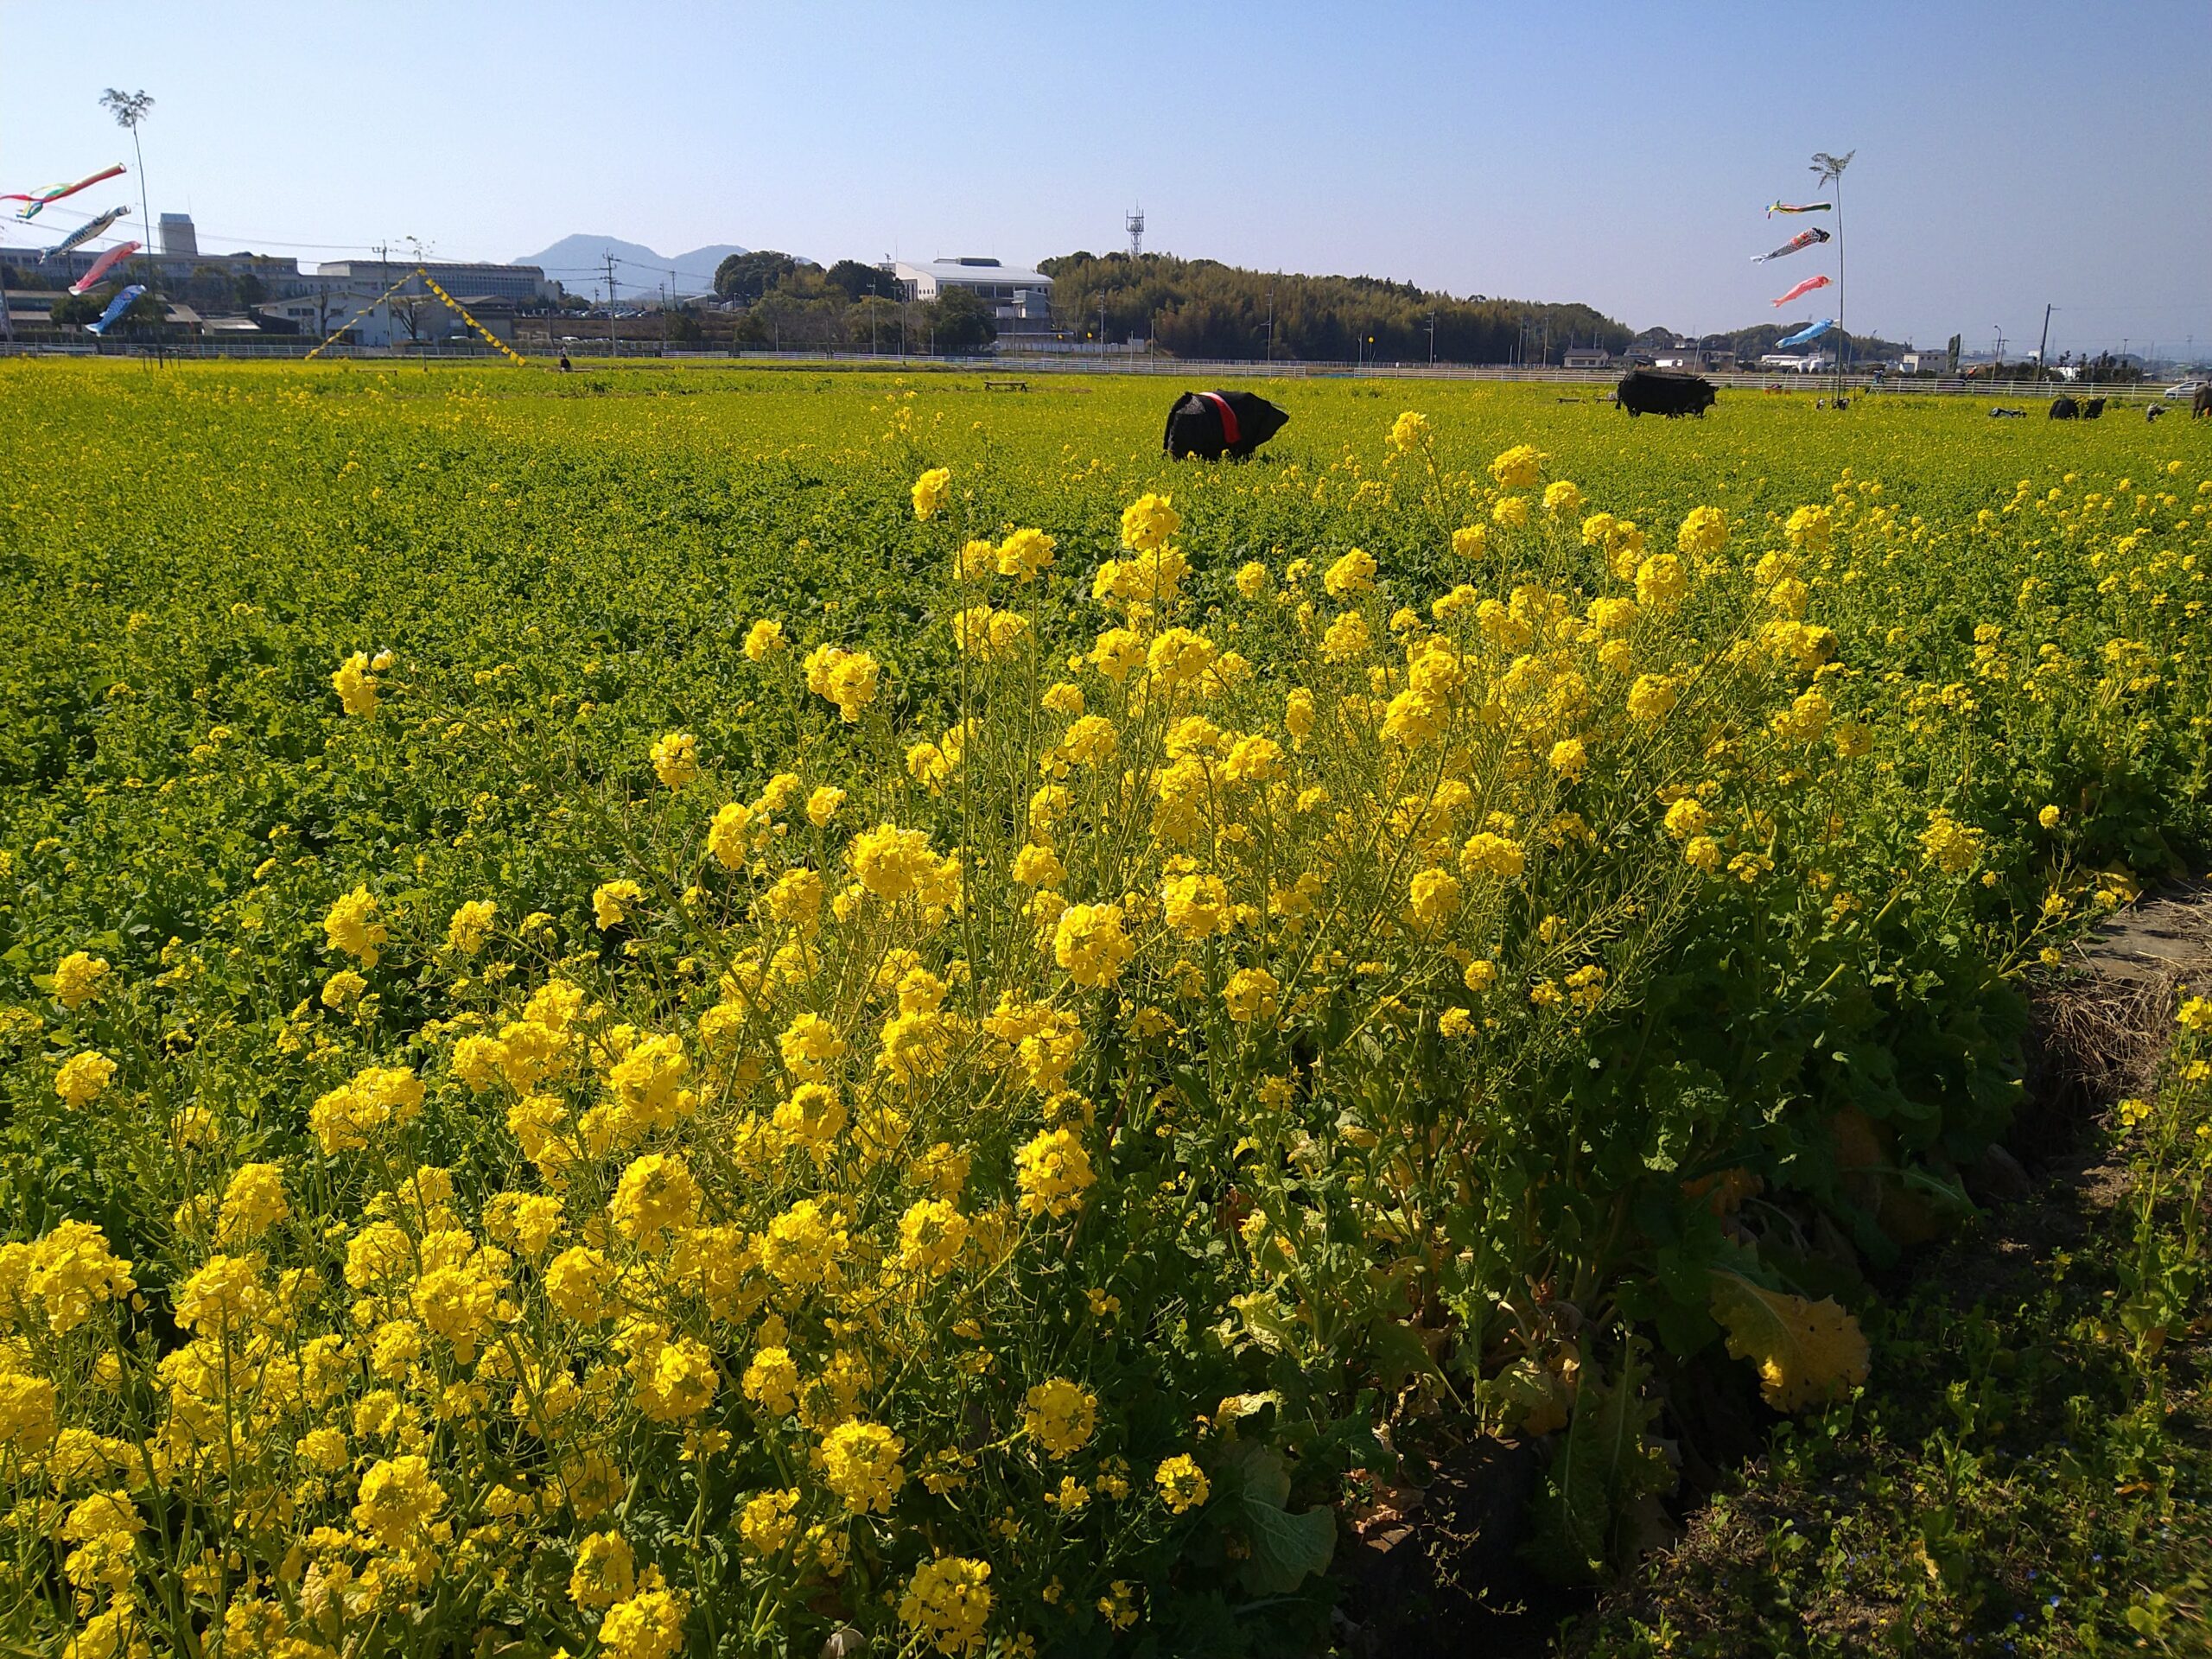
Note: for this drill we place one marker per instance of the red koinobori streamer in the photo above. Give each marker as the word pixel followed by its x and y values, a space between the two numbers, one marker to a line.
pixel 1805 287
pixel 107 262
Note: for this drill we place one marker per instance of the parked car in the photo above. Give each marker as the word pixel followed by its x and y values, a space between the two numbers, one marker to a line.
pixel 2183 389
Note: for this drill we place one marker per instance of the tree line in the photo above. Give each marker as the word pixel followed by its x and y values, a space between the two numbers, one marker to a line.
pixel 1201 308
pixel 848 306
pixel 1192 308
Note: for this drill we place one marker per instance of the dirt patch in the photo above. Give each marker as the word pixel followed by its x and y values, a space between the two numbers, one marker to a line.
pixel 2101 1022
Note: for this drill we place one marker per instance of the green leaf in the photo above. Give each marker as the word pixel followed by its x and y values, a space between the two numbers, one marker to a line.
pixel 1603 1466
pixel 1286 1548
pixel 1400 1353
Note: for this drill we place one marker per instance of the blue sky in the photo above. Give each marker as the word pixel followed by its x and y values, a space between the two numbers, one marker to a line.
pixel 2008 155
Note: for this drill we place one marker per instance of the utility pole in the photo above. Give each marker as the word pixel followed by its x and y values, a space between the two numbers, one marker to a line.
pixel 1432 339
pixel 384 284
pixel 2042 348
pixel 128 109
pixel 1271 322
pixel 614 348
pixel 1830 167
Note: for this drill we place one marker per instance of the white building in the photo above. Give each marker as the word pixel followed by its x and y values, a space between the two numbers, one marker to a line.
pixel 1588 357
pixel 408 319
pixel 524 285
pixel 1012 295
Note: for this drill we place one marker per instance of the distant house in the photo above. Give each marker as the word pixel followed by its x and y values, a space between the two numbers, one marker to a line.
pixel 1925 362
pixel 312 315
pixel 1588 357
pixel 1685 357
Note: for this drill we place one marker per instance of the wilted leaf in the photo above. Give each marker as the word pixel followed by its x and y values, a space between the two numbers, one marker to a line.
pixel 1806 1353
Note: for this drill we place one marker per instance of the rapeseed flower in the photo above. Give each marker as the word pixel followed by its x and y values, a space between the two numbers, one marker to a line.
pixel 1052 1172
pixel 78 978
pixel 763 640
pixel 947 1602
pixel 1520 468
pixel 352 926
pixel 676 759
pixel 355 685
pixel 930 491
pixel 859 1463
pixel 82 1078
pixel 1182 1485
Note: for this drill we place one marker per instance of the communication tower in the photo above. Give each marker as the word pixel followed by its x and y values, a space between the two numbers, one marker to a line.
pixel 1135 223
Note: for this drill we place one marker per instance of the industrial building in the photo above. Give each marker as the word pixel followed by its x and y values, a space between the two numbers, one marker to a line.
pixel 1019 299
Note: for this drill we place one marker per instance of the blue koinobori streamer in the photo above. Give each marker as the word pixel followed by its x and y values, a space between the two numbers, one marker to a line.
pixel 1804 336
pixel 116 307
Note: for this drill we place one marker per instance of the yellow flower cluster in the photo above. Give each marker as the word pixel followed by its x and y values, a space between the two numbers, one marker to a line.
pixel 931 1135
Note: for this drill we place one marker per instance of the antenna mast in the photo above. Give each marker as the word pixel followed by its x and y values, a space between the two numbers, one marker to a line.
pixel 1134 222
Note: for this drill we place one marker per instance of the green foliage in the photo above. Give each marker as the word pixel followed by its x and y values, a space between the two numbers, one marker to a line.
pixel 1200 308
pixel 1432 1232
pixel 747 276
pixel 1605 1471
pixel 2029 1470
pixel 961 322
pixel 856 280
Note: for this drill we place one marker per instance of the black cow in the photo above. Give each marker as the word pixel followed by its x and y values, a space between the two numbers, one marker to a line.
pixel 2063 408
pixel 2093 409
pixel 1646 391
pixel 2201 405
pixel 2155 412
pixel 2008 413
pixel 1211 424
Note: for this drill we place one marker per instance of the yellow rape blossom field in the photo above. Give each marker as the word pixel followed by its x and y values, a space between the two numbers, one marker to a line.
pixel 705 1012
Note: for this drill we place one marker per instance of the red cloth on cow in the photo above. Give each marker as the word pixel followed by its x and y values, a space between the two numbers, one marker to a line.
pixel 1229 431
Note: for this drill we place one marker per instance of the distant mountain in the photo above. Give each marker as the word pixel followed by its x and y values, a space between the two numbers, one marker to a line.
pixel 579 262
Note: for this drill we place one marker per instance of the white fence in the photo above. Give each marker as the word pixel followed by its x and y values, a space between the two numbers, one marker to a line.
pixel 1855 382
